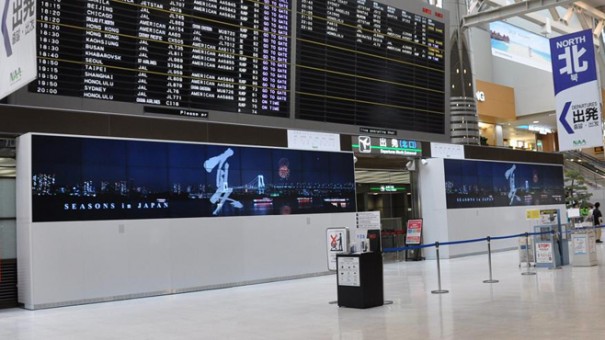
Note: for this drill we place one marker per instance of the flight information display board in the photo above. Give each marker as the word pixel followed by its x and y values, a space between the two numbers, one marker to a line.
pixel 224 55
pixel 366 63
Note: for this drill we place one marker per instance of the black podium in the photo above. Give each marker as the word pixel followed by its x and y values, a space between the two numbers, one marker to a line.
pixel 360 283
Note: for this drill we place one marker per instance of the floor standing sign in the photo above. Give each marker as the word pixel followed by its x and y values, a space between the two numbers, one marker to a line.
pixel 413 236
pixel 577 91
pixel 414 232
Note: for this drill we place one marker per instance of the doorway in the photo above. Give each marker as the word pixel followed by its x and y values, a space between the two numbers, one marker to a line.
pixel 390 193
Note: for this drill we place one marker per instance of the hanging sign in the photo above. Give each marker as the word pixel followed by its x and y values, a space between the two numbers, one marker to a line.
pixel 577 91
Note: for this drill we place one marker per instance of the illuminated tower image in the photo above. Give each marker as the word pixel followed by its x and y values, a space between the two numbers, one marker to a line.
pixel 283 168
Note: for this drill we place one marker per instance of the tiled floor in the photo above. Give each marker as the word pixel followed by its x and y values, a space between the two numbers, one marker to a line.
pixel 568 303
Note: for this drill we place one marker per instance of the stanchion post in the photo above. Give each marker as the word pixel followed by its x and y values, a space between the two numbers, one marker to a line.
pixel 438 291
pixel 489 256
pixel 527 256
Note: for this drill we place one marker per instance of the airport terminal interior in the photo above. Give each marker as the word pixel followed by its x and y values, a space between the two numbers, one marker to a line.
pixel 301 169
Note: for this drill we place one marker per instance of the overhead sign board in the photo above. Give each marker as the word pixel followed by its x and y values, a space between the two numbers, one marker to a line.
pixel 386 146
pixel 309 140
pixel 577 91
pixel 446 150
pixel 18 45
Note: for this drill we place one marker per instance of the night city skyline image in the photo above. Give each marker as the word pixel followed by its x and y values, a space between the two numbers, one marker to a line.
pixel 77 178
pixel 471 184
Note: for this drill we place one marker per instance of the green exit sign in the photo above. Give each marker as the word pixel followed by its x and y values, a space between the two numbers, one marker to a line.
pixel 387 188
pixel 386 146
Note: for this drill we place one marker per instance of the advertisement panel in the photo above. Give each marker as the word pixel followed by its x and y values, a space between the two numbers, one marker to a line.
pixel 75 179
pixel 473 184
pixel 518 45
pixel 577 91
pixel 337 243
pixel 18 48
pixel 414 232
pixel 544 252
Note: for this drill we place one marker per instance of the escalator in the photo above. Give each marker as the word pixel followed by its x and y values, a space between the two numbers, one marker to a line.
pixel 591 168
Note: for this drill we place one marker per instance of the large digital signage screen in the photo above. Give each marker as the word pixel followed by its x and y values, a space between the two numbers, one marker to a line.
pixel 473 184
pixel 75 179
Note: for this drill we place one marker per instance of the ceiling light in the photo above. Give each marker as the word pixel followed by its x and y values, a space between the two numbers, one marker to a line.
pixel 536 121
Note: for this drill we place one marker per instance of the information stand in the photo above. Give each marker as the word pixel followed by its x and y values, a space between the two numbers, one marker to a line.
pixel 583 239
pixel 360 282
pixel 584 250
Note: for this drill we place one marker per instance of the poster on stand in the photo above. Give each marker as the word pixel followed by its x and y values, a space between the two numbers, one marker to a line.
pixel 337 243
pixel 414 232
pixel 579 245
pixel 544 252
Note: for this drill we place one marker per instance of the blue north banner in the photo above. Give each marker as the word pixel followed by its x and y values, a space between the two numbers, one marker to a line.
pixel 577 91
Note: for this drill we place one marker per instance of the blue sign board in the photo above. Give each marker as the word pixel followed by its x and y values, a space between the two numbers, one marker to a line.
pixel 573 60
pixel 577 91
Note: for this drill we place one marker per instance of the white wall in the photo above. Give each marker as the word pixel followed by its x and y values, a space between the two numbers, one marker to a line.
pixel 481 53
pixel 465 224
pixel 448 225
pixel 534 90
pixel 24 218
pixel 78 262
pixel 431 180
pixel 66 263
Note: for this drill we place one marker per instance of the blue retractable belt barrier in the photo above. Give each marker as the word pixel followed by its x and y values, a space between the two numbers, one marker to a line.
pixel 398 249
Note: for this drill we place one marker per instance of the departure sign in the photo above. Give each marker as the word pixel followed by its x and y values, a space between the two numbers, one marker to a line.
pixel 365 63
pixel 224 55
